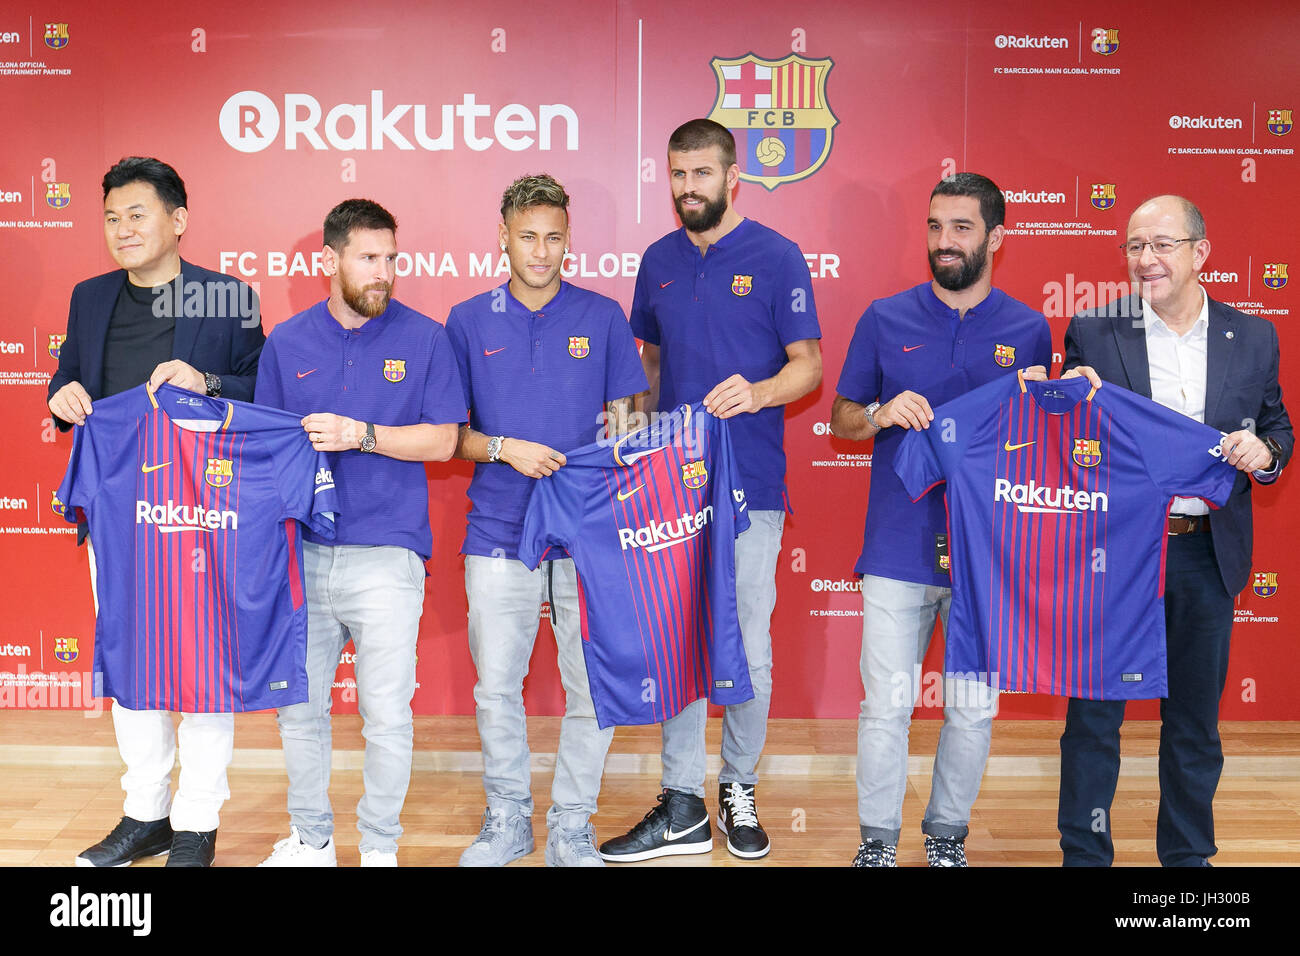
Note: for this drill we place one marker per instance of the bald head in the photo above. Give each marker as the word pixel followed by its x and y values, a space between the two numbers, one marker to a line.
pixel 1156 206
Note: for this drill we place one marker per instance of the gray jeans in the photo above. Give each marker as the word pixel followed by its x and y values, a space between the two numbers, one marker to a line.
pixel 744 726
pixel 375 597
pixel 898 620
pixel 504 600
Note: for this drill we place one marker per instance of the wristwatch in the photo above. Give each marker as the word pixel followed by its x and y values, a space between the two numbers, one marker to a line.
pixel 368 440
pixel 212 383
pixel 870 412
pixel 494 447
pixel 1275 449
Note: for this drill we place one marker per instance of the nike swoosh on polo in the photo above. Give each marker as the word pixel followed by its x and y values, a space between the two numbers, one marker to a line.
pixel 672 837
pixel 624 495
pixel 494 351
pixel 148 468
pixel 306 373
pixel 664 285
pixel 1007 446
pixel 913 348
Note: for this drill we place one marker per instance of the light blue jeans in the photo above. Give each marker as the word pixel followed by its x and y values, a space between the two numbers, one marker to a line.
pixel 898 620
pixel 504 601
pixel 744 726
pixel 374 596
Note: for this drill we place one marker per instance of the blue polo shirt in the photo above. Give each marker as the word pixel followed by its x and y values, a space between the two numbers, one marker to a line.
pixel 541 376
pixel 397 369
pixel 913 341
pixel 731 311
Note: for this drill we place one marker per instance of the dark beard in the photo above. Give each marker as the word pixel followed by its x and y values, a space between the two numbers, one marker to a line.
pixel 963 276
pixel 704 218
pixel 361 304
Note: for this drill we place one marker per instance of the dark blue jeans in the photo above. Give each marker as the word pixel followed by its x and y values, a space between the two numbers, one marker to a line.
pixel 1198 623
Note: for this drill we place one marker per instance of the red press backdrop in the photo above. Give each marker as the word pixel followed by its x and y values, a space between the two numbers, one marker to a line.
pixel 275 112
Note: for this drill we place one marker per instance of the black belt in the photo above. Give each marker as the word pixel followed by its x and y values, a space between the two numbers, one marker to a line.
pixel 1189 524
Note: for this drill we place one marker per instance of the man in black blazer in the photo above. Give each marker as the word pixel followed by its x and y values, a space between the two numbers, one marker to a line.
pixel 157 319
pixel 1169 341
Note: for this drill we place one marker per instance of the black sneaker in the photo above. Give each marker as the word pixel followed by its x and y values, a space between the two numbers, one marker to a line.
pixel 943 851
pixel 191 848
pixel 130 840
pixel 738 819
pixel 679 824
pixel 876 853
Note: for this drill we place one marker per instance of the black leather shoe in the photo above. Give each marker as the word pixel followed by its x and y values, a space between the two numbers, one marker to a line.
pixel 129 841
pixel 191 848
pixel 679 824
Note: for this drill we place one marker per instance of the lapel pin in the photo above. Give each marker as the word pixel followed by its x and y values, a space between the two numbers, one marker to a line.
pixel 1228 334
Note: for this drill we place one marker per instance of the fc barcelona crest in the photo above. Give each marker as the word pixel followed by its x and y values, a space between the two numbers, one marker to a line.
pixel 57 506
pixel 1004 355
pixel 579 346
pixel 220 472
pixel 1279 122
pixel 1105 41
pixel 1103 195
pixel 1265 583
pixel 56 35
pixel 1087 452
pixel 777 111
pixel 394 369
pixel 65 649
pixel 694 474
pixel 1275 274
pixel 741 285
pixel 58 195
pixel 56 343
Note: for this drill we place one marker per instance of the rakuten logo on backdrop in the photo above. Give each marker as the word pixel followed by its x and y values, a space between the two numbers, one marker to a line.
pixel 1204 122
pixel 250 122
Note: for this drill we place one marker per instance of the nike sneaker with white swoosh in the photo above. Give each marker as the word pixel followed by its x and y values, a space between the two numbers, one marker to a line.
pixel 738 819
pixel 678 825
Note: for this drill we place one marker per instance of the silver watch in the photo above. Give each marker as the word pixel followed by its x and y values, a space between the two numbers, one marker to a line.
pixel 870 412
pixel 494 447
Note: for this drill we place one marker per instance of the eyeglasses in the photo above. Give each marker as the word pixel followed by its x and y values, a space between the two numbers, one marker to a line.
pixel 1161 247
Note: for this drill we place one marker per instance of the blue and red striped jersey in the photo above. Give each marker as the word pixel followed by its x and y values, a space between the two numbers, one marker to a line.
pixel 651 523
pixel 1057 498
pixel 193 505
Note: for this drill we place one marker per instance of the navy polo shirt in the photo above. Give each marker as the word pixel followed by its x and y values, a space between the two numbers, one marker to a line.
pixel 541 376
pixel 732 311
pixel 397 369
pixel 913 341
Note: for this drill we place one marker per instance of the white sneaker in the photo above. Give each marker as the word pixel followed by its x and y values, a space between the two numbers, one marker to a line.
pixel 291 851
pixel 378 858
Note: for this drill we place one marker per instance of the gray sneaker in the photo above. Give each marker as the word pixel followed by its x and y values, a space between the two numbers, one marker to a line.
pixel 505 837
pixel 573 847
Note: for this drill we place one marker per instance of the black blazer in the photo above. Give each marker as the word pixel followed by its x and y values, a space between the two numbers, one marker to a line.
pixel 1241 387
pixel 222 345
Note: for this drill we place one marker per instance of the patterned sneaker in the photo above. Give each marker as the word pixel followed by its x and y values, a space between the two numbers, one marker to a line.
pixel 678 824
pixel 943 851
pixel 738 819
pixel 876 853
pixel 291 851
pixel 504 838
pixel 129 841
pixel 573 847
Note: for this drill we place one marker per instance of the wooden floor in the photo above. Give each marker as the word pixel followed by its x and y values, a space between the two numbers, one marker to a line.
pixel 60 792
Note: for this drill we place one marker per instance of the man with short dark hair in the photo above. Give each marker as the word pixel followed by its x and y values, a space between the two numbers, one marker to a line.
pixel 125 328
pixel 377 385
pixel 910 353
pixel 542 362
pixel 725 309
pixel 1171 342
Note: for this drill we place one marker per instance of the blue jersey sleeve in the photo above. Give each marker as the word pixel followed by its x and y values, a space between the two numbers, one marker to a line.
pixel 81 479
pixel 306 484
pixel 555 510
pixel 623 372
pixel 916 462
pixel 444 394
pixel 860 379
pixel 796 312
pixel 1183 456
pixel 643 322
pixel 270 387
pixel 458 337
pixel 729 473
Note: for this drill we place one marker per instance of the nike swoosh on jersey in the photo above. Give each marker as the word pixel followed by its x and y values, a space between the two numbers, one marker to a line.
pixel 306 373
pixel 494 351
pixel 913 348
pixel 1007 446
pixel 664 285
pixel 672 837
pixel 628 459
pixel 623 496
pixel 148 468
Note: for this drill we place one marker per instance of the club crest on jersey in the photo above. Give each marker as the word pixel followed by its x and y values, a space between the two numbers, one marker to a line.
pixel 579 346
pixel 1279 122
pixel 741 285
pixel 1087 452
pixel 1004 355
pixel 65 649
pixel 58 195
pixel 1275 274
pixel 694 474
pixel 945 562
pixel 1103 195
pixel 1265 583
pixel 220 472
pixel 394 369
pixel 1105 41
pixel 56 343
pixel 57 506
pixel 56 35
